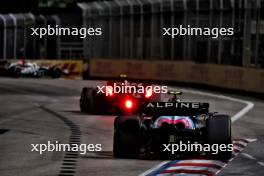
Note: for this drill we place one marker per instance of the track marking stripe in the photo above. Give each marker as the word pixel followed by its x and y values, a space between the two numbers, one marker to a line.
pixel 253 158
pixel 239 114
pixel 180 174
pixel 192 168
pixel 248 156
pixel 203 161
pixel 149 171
pixel 237 148
pixel 239 145
pixel 187 172
pixel 199 164
pixel 261 163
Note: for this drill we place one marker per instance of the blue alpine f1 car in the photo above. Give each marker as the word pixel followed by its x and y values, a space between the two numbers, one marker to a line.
pixel 163 126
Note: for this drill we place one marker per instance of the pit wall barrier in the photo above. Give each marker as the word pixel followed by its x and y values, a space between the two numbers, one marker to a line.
pixel 73 67
pixel 222 76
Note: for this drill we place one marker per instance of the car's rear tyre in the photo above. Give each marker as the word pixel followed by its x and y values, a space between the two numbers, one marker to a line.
pixel 126 137
pixel 86 100
pixel 15 72
pixel 56 72
pixel 219 132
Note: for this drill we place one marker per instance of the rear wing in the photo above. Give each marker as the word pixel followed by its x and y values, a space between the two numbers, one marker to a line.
pixel 175 108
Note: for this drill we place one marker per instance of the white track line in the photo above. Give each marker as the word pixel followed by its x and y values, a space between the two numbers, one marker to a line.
pixel 238 115
pixel 248 156
pixel 251 140
pixel 253 158
pixel 261 163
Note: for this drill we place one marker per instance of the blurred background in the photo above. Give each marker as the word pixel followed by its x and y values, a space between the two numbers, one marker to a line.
pixel 132 29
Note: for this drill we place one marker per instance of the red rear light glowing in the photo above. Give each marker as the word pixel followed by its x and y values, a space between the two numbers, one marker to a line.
pixel 148 93
pixel 21 62
pixel 128 104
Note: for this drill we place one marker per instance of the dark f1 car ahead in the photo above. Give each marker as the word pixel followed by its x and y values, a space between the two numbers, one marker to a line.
pixel 166 123
pixel 107 102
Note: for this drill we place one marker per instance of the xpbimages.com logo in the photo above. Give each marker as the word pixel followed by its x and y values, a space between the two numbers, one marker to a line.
pixel 130 88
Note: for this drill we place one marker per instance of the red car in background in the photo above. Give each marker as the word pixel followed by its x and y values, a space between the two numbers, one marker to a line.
pixel 94 101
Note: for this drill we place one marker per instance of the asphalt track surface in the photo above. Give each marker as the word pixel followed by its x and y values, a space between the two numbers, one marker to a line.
pixel 34 111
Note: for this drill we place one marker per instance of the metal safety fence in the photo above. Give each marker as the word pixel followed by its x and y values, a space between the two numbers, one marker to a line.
pixel 133 29
pixel 16 40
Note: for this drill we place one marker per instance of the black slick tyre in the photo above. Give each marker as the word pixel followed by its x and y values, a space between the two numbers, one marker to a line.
pixel 126 142
pixel 219 132
pixel 56 72
pixel 86 100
